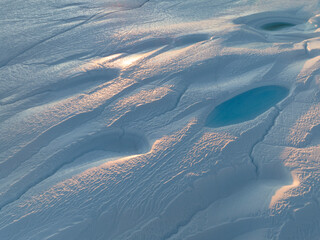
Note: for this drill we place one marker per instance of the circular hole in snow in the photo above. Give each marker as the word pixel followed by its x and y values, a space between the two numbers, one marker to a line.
pixel 246 106
pixel 271 21
pixel 275 26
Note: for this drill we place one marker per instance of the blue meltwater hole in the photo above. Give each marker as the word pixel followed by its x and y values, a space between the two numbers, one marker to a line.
pixel 275 26
pixel 246 106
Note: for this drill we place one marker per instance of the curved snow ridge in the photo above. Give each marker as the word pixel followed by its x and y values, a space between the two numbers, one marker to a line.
pixel 32 150
pixel 111 179
pixel 303 192
pixel 155 101
pixel 162 148
pixel 126 143
pixel 143 99
pixel 93 98
pixel 67 87
pixel 62 119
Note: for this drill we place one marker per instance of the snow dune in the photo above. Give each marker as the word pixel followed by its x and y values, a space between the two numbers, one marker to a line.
pixel 159 120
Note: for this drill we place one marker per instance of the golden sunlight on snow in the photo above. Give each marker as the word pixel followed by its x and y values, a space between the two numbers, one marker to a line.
pixel 304 125
pixel 284 192
pixel 119 60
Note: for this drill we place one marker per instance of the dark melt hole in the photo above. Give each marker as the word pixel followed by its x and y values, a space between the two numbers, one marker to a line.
pixel 275 26
pixel 246 106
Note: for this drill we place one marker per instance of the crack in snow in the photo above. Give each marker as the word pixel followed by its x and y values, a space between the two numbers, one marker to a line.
pixel 95 16
pixel 261 139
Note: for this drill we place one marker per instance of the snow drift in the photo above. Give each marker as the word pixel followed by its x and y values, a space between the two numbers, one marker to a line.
pixel 159 120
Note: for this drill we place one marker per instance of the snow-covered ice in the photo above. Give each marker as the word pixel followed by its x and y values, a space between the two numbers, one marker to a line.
pixel 159 120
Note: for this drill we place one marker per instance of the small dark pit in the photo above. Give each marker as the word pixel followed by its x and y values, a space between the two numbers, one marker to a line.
pixel 275 26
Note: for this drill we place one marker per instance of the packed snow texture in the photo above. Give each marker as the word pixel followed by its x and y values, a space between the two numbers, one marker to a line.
pixel 104 130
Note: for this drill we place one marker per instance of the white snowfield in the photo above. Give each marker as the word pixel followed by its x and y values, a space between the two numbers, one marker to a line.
pixel 159 120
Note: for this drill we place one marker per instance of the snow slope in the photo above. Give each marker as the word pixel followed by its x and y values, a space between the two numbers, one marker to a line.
pixel 104 109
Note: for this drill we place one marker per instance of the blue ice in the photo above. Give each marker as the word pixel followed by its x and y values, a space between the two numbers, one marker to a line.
pixel 246 106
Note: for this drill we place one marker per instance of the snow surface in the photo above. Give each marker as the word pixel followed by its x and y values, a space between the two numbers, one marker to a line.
pixel 103 110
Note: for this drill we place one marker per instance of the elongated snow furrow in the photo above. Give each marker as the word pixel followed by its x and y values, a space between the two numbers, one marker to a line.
pixel 121 142
pixel 56 162
pixel 10 60
pixel 53 132
pixel 88 79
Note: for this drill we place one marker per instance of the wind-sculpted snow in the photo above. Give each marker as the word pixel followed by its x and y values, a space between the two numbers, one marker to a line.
pixel 162 120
